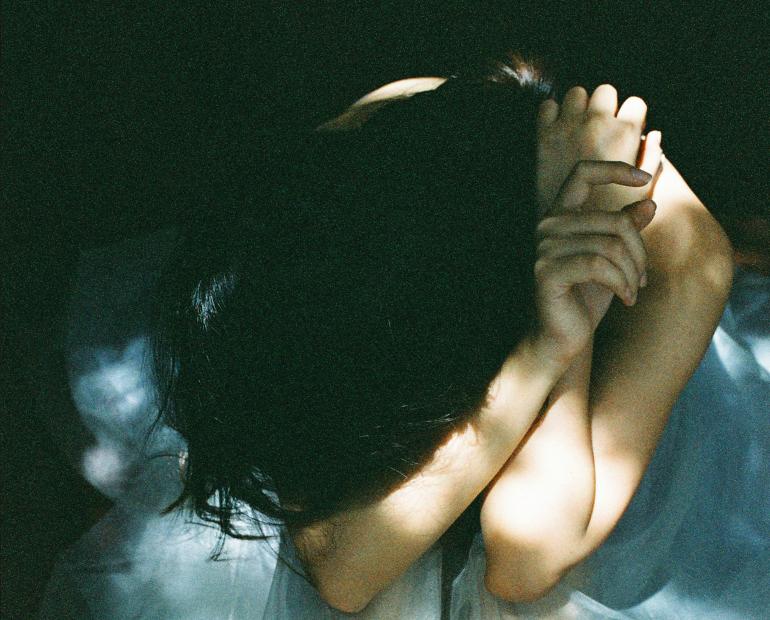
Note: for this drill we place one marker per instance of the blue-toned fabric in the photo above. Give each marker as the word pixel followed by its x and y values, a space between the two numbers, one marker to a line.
pixel 695 541
pixel 693 544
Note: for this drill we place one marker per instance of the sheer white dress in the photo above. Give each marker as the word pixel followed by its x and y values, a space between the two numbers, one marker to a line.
pixel 695 543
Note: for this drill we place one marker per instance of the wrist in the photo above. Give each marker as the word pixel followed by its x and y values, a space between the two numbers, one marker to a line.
pixel 573 384
pixel 536 362
pixel 551 356
pixel 516 397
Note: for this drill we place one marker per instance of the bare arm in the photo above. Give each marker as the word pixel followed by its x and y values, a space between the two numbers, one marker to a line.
pixel 353 556
pixel 356 554
pixel 650 352
pixel 543 499
pixel 652 349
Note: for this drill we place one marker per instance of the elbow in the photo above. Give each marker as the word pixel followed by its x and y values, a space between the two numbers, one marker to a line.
pixel 526 559
pixel 716 259
pixel 525 571
pixel 702 254
pixel 343 597
pixel 338 586
pixel 346 602
pixel 519 586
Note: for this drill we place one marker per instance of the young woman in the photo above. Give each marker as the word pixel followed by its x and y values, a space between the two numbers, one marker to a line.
pixel 403 318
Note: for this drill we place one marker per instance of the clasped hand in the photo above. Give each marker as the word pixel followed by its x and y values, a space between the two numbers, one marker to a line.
pixel 595 176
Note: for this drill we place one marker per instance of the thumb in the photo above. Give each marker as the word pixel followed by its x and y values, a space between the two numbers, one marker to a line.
pixel 641 213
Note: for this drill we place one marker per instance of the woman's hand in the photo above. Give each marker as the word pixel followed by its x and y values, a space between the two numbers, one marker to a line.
pixel 577 247
pixel 564 490
pixel 582 128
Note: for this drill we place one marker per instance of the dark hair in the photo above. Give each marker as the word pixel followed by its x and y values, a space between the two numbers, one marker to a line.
pixel 318 341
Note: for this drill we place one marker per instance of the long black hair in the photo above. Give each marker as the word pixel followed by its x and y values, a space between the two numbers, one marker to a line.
pixel 316 339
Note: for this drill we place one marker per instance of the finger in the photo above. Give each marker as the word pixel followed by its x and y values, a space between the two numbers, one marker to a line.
pixel 634 111
pixel 673 186
pixel 621 224
pixel 610 247
pixel 574 104
pixel 657 175
pixel 547 114
pixel 650 157
pixel 558 276
pixel 604 100
pixel 641 213
pixel 586 174
pixel 651 153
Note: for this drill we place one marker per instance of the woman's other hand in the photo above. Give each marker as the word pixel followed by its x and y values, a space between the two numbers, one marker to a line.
pixel 577 247
pixel 593 128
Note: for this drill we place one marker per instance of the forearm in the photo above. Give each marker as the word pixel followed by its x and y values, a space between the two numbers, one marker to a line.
pixel 649 351
pixel 642 362
pixel 541 501
pixel 353 556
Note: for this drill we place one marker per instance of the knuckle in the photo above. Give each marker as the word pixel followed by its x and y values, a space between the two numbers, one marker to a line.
pixel 602 221
pixel 578 90
pixel 630 134
pixel 545 226
pixel 627 125
pixel 542 266
pixel 615 248
pixel 597 263
pixel 584 167
pixel 625 225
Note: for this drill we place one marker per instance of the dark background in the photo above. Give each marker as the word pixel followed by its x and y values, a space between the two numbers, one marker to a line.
pixel 117 121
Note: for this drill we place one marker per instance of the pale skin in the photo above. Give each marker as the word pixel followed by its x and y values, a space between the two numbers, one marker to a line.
pixel 591 448
pixel 555 490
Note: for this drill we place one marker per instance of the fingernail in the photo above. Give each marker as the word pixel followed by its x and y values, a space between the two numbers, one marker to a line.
pixel 629 298
pixel 643 217
pixel 643 280
pixel 641 175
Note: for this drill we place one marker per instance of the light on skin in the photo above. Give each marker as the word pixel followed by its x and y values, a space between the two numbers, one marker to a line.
pixel 349 565
pixel 617 426
pixel 635 379
pixel 362 109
